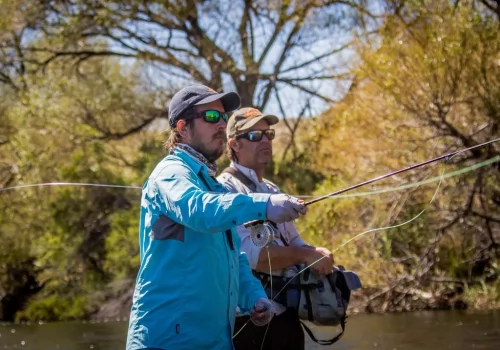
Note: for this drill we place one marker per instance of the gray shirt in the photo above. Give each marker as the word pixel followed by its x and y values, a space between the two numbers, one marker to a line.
pixel 288 230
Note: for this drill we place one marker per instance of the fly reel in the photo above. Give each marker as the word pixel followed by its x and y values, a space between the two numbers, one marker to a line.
pixel 262 234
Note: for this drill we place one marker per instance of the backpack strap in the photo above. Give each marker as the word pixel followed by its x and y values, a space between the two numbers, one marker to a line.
pixel 308 297
pixel 325 342
pixel 241 177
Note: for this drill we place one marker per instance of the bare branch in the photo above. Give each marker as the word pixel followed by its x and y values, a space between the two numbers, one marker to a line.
pixel 309 91
pixel 317 58
pixel 492 5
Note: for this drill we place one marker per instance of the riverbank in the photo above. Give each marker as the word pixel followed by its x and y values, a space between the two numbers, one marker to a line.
pixel 115 301
pixel 367 300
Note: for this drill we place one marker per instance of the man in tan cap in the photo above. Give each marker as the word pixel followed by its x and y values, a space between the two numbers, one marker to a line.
pixel 250 150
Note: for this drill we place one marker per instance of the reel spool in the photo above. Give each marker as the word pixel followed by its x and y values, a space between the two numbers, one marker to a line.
pixel 262 235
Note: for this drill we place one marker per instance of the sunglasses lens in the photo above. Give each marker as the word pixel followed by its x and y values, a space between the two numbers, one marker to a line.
pixel 214 116
pixel 270 134
pixel 255 136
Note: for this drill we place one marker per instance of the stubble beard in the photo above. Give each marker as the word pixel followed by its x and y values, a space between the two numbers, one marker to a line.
pixel 211 154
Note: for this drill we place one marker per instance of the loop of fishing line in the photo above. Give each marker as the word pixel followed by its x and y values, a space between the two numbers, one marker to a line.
pixel 371 230
pixel 264 228
pixel 262 234
pixel 439 178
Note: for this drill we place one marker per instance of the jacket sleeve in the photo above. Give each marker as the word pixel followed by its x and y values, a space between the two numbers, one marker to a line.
pixel 250 287
pixel 181 198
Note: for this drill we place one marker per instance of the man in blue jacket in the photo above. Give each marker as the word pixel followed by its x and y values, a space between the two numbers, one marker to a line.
pixel 192 275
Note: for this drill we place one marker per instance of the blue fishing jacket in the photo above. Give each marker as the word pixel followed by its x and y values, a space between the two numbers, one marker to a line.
pixel 191 280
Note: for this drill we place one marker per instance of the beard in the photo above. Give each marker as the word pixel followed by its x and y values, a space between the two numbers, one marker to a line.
pixel 210 153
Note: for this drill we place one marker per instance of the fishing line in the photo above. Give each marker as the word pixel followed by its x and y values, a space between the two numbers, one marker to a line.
pixel 393 226
pixel 371 230
pixel 423 182
pixel 68 184
pixel 241 329
pixel 337 194
pixel 350 195
pixel 445 157
pixel 440 178
pixel 271 286
pixel 270 270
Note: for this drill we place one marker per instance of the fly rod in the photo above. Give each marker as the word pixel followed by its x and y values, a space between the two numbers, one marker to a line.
pixel 445 156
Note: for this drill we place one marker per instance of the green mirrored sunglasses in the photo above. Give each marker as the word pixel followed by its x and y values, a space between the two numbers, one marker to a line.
pixel 212 116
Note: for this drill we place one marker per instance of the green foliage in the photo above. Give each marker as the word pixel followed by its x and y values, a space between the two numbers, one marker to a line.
pixel 422 81
pixel 54 308
pixel 483 295
pixel 67 127
pixel 296 176
pixel 121 244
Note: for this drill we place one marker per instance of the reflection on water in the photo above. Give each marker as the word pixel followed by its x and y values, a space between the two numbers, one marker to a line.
pixel 409 331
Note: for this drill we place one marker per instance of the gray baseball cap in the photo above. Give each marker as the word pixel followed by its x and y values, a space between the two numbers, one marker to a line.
pixel 195 95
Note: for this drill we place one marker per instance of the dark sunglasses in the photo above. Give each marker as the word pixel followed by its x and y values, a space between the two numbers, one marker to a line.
pixel 212 116
pixel 256 135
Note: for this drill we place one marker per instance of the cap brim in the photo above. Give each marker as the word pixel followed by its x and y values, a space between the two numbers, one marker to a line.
pixel 230 100
pixel 269 118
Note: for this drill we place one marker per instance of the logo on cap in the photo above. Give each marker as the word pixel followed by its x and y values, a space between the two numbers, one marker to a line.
pixel 252 112
pixel 211 90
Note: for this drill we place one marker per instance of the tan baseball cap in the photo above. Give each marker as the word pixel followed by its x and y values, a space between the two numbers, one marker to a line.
pixel 245 118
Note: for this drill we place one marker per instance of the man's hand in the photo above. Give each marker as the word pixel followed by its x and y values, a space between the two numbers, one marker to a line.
pixel 282 208
pixel 262 313
pixel 320 259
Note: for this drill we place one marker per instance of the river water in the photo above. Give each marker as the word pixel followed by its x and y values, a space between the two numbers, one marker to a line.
pixel 403 331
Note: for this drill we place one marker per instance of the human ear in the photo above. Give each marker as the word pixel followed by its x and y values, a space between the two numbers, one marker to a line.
pixel 235 146
pixel 181 127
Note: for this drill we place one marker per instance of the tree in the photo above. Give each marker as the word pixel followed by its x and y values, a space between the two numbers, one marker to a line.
pixel 64 126
pixel 427 85
pixel 283 51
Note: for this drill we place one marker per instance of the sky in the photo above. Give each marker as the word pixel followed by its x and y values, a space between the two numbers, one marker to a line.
pixel 224 30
